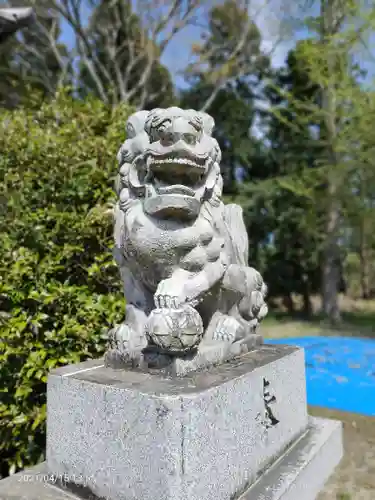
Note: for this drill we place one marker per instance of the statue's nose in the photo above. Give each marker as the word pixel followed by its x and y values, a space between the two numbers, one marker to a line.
pixel 179 130
pixel 173 136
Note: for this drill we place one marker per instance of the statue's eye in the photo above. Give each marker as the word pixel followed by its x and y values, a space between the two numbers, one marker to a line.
pixel 163 127
pixel 190 139
pixel 167 138
pixel 130 131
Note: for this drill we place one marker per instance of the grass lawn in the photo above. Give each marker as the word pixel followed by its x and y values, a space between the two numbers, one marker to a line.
pixel 354 479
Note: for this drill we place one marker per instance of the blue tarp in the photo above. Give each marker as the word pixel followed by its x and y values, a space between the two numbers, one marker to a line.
pixel 340 372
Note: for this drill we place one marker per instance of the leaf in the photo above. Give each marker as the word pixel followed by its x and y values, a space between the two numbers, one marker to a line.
pixel 20 419
pixel 23 391
pixel 41 416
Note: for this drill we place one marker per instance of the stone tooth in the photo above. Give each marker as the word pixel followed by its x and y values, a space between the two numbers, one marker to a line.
pixel 180 161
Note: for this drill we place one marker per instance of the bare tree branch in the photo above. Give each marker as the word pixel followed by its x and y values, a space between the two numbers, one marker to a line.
pixel 134 35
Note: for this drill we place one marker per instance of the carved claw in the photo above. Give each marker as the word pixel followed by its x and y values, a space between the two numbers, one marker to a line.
pixel 166 302
pixel 253 306
pixel 227 329
pixel 125 340
pixel 118 337
pixel 169 295
pixel 263 312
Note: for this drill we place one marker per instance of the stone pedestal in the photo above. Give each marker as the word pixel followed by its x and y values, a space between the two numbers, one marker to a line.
pixel 237 431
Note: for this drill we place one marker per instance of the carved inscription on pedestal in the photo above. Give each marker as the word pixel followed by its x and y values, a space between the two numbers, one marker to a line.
pixel 267 418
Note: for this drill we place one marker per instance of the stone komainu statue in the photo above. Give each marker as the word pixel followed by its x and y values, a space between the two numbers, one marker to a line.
pixel 182 253
pixel 13 19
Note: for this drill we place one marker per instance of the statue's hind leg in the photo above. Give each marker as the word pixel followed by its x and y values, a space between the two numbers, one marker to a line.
pixel 242 307
pixel 127 340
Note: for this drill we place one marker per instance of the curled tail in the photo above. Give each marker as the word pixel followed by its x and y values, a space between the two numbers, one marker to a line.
pixel 236 229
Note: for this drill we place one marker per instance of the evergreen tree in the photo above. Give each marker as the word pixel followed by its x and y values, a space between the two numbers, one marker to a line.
pixel 284 225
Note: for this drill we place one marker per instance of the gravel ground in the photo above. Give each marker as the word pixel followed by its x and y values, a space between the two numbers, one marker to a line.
pixel 354 479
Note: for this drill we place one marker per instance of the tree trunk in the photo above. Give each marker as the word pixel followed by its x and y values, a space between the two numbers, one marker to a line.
pixel 331 278
pixel 331 254
pixel 307 306
pixel 363 260
pixel 331 268
pixel 288 303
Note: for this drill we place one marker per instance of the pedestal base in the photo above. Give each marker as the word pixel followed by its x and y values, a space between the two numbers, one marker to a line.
pixel 131 435
pixel 239 430
pixel 299 474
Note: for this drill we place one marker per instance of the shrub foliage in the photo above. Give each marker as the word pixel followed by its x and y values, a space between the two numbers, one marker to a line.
pixel 59 287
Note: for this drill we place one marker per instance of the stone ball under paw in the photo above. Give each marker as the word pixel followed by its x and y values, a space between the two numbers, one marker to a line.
pixel 175 330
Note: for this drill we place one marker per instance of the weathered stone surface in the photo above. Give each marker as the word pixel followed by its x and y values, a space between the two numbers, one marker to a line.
pixel 147 436
pixel 299 474
pixel 207 355
pixel 182 254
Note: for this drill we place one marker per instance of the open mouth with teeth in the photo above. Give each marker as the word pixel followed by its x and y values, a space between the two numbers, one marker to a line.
pixel 176 172
pixel 176 180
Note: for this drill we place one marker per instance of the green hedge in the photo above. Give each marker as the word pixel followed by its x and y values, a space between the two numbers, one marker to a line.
pixel 59 287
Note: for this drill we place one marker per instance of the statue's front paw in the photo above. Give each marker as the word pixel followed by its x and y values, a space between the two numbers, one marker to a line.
pixel 125 341
pixel 169 294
